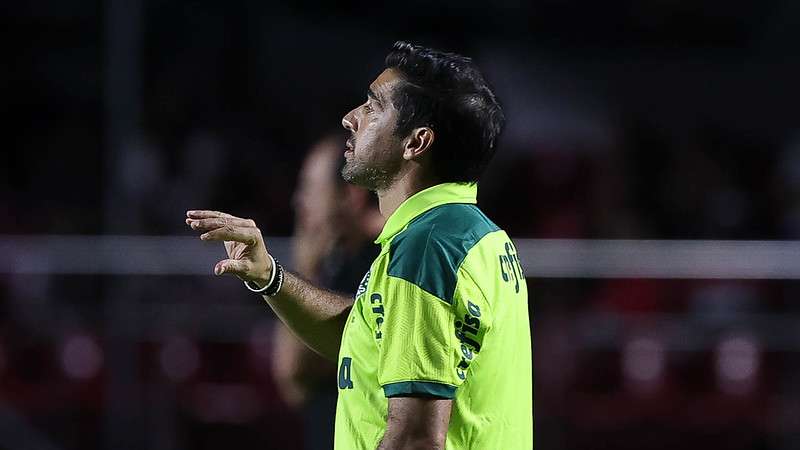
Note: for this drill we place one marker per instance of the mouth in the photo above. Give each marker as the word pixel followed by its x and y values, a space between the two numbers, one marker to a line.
pixel 349 146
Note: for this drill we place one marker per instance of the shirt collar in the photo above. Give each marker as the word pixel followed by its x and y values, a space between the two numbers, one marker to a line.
pixel 424 200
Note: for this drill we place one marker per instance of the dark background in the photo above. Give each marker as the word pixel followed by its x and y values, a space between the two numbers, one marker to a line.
pixel 665 119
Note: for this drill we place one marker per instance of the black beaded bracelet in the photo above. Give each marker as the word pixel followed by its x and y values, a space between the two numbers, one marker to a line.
pixel 275 284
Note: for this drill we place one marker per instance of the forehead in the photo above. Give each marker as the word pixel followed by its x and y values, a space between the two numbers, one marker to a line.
pixel 385 81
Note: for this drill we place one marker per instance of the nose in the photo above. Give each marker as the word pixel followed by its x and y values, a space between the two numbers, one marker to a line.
pixel 349 121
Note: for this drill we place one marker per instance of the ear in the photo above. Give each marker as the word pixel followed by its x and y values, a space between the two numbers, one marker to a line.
pixel 418 142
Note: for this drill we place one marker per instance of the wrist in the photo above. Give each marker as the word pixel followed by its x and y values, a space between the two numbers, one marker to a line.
pixel 268 276
pixel 271 286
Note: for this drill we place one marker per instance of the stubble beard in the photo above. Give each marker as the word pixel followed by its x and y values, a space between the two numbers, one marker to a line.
pixel 369 176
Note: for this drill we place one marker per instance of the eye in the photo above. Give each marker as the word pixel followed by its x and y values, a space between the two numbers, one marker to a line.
pixel 367 107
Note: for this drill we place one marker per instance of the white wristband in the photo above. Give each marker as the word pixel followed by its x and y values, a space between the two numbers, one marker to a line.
pixel 271 279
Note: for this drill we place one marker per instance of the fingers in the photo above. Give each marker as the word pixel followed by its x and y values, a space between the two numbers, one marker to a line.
pixel 206 214
pixel 214 223
pixel 232 266
pixel 245 235
pixel 219 226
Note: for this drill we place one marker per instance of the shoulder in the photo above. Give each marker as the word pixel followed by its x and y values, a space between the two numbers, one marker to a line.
pixel 429 252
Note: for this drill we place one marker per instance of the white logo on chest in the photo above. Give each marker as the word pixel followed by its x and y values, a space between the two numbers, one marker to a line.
pixel 362 287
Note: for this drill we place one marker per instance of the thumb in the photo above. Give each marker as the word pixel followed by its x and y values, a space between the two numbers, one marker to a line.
pixel 233 266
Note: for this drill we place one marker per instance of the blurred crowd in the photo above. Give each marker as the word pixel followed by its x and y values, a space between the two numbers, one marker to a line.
pixel 674 122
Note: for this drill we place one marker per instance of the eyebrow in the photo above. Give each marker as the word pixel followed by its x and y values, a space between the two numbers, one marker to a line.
pixel 371 94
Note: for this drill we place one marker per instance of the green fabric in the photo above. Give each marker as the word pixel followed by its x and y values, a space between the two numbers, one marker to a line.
pixel 424 200
pixel 412 388
pixel 430 250
pixel 402 339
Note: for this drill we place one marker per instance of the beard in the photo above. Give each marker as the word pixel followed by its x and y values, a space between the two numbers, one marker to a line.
pixel 372 175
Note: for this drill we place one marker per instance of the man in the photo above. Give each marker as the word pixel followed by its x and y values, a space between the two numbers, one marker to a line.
pixel 434 352
pixel 335 224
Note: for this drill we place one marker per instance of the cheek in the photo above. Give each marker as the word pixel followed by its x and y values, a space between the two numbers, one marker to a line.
pixel 375 141
pixel 365 143
pixel 377 134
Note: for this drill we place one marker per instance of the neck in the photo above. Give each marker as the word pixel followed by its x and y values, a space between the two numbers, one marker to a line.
pixel 390 198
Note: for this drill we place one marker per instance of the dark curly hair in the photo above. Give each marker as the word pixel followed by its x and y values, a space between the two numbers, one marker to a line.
pixel 447 92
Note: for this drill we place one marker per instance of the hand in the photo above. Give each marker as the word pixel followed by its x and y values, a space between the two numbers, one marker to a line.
pixel 247 253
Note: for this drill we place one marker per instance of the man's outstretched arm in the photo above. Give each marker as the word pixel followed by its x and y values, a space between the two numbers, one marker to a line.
pixel 317 316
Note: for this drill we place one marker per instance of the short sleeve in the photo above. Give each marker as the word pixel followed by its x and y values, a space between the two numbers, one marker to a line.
pixel 426 342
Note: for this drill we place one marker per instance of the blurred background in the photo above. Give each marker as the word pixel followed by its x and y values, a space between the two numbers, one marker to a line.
pixel 649 172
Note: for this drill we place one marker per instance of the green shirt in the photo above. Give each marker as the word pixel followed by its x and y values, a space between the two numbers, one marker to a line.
pixel 443 312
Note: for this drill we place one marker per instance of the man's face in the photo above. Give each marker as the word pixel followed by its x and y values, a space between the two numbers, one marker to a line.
pixel 374 154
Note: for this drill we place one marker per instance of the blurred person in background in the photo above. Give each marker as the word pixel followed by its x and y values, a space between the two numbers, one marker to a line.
pixel 335 224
